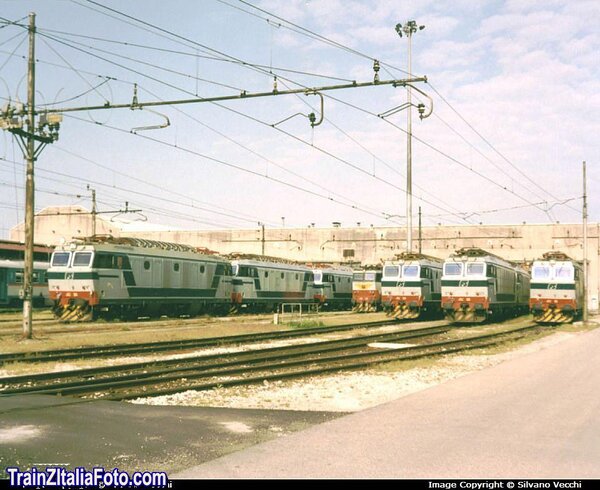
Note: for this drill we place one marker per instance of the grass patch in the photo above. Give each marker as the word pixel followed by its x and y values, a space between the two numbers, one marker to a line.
pixel 305 324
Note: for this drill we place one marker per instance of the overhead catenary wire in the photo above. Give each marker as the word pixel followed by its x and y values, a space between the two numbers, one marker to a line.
pixel 119 199
pixel 356 207
pixel 240 113
pixel 314 35
pixel 231 165
pixel 245 115
pixel 268 160
pixel 137 192
pixel 198 56
pixel 191 199
pixel 128 192
pixel 264 123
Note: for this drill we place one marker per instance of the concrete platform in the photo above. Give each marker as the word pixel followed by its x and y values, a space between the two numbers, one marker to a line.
pixel 537 416
pixel 47 430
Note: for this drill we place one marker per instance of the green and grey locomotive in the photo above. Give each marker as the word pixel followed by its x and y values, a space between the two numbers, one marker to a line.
pixel 411 284
pixel 263 283
pixel 103 276
pixel 556 288
pixel 477 285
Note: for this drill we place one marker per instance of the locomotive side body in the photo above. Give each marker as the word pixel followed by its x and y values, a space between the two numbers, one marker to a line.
pixel 477 285
pixel 128 278
pixel 11 283
pixel 411 286
pixel 263 285
pixel 332 288
pixel 556 289
pixel 366 290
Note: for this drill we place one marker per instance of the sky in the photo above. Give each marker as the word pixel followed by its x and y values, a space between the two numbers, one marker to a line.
pixel 515 87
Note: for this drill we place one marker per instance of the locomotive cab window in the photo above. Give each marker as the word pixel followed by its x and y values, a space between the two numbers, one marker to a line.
pixel 391 271
pixel 410 271
pixel 563 271
pixel 541 272
pixel 60 259
pixel 82 259
pixel 475 269
pixel 452 269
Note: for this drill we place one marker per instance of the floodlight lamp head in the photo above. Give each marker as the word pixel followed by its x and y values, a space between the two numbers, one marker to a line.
pixel 399 29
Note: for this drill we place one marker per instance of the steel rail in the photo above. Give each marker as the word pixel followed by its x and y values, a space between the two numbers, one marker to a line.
pixel 224 361
pixel 370 358
pixel 150 347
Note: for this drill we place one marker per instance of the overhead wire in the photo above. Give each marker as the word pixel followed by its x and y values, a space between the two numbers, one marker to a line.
pixel 142 21
pixel 193 200
pixel 305 30
pixel 264 158
pixel 12 53
pixel 129 192
pixel 227 108
pixel 231 165
pixel 196 55
pixel 308 32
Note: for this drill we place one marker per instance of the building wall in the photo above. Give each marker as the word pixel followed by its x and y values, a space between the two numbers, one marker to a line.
pixel 523 242
pixel 54 225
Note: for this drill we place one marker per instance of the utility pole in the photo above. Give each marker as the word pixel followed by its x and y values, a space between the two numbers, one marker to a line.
pixel 409 29
pixel 29 187
pixel 13 119
pixel 420 237
pixel 585 249
pixel 262 238
pixel 94 211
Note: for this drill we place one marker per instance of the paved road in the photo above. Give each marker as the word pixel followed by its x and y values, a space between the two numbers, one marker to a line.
pixel 537 416
pixel 46 430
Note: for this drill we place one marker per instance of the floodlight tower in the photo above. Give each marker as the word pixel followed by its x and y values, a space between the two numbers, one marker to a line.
pixel 408 30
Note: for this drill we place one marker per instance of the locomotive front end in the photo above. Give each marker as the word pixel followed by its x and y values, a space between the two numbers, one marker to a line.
pixel 465 291
pixel 71 283
pixel 366 290
pixel 556 289
pixel 401 290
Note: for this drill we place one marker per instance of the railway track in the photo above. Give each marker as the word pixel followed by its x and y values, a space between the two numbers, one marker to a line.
pixel 206 372
pixel 173 345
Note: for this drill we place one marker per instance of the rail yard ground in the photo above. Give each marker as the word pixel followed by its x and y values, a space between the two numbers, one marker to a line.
pixel 191 427
pixel 345 391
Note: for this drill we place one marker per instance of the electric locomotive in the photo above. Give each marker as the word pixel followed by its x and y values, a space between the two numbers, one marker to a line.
pixel 477 285
pixel 103 276
pixel 366 289
pixel 411 286
pixel 556 288
pixel 332 287
pixel 262 283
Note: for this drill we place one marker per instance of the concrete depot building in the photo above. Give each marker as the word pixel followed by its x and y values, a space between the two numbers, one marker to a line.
pixel 367 245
